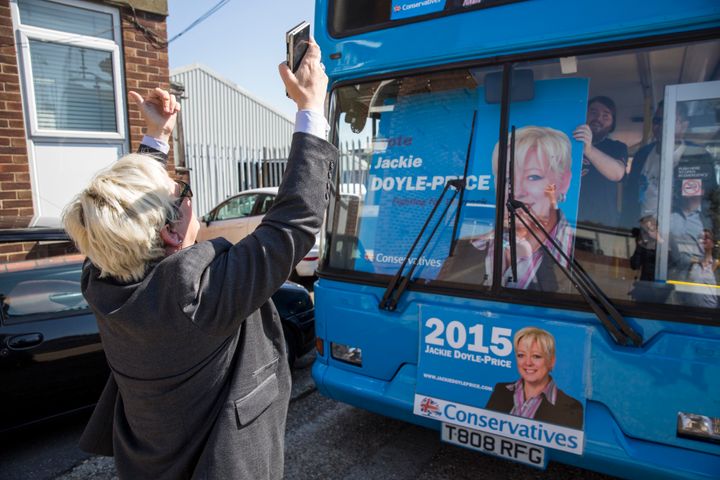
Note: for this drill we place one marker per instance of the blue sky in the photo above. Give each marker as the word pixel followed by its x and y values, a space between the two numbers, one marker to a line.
pixel 243 42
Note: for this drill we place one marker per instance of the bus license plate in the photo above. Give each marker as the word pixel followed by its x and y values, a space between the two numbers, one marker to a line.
pixel 515 450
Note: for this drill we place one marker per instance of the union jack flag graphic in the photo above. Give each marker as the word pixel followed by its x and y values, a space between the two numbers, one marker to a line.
pixel 397 8
pixel 429 407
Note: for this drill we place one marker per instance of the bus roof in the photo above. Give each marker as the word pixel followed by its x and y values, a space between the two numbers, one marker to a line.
pixel 503 30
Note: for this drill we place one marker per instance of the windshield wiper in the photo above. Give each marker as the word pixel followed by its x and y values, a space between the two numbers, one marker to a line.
pixel 600 304
pixel 399 283
pixel 453 238
pixel 512 233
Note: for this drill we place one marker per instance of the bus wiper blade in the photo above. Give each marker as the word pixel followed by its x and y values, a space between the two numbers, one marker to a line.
pixel 399 283
pixel 583 283
pixel 512 231
pixel 453 238
pixel 611 319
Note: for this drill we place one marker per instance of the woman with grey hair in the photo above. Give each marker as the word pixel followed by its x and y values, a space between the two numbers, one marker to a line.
pixel 200 383
pixel 536 395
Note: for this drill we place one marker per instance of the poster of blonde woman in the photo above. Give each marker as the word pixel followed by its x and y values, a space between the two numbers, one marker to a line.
pixel 503 377
pixel 542 179
pixel 419 155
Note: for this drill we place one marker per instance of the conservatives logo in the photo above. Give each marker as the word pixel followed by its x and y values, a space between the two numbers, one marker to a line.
pixel 429 407
pixel 510 426
pixel 405 8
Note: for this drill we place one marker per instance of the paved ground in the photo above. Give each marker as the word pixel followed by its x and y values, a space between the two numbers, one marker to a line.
pixel 325 440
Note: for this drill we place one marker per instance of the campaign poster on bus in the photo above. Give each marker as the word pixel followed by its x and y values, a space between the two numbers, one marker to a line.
pixel 505 376
pixel 422 143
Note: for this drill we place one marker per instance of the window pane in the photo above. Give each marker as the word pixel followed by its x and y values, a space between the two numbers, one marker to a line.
pixel 265 204
pixel 349 16
pixel 73 87
pixel 41 279
pixel 237 207
pixel 641 221
pixel 401 141
pixel 692 229
pixel 55 16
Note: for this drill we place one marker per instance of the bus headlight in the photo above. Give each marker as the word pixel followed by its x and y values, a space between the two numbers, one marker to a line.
pixel 346 353
pixel 698 427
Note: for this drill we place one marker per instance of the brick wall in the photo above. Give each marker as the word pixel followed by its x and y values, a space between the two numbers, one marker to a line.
pixel 146 65
pixel 15 193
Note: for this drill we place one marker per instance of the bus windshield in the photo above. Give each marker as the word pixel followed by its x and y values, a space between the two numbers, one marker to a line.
pixel 617 154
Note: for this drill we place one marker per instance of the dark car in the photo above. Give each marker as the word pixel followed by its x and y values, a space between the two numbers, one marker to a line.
pixel 51 358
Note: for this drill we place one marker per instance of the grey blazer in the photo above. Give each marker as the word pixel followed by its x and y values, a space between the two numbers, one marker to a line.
pixel 200 383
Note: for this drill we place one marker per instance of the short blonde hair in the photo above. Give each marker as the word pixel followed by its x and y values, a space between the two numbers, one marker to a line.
pixel 116 220
pixel 544 339
pixel 552 145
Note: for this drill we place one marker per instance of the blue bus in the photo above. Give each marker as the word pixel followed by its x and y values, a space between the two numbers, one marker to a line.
pixel 575 147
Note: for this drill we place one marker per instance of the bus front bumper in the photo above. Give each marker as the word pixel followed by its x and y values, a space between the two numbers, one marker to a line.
pixel 607 448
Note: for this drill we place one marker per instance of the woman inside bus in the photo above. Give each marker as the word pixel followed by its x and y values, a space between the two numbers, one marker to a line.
pixel 542 179
pixel 536 395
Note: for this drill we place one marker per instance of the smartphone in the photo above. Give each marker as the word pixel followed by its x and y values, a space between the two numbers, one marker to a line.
pixel 296 40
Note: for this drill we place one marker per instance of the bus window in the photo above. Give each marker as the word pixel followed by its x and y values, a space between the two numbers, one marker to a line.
pixel 627 187
pixel 348 17
pixel 403 140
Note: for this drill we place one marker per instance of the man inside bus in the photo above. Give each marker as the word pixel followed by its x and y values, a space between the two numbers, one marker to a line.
pixel 603 165
pixel 642 186
pixel 692 167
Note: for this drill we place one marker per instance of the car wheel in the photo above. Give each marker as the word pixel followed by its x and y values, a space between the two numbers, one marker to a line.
pixel 290 342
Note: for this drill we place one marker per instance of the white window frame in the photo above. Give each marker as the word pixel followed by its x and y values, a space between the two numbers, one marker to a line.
pixel 25 33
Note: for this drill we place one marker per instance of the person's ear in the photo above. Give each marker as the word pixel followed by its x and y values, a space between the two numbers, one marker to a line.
pixel 552 364
pixel 170 237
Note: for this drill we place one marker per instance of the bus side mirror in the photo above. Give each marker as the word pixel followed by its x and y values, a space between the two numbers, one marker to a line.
pixel 357 116
pixel 521 90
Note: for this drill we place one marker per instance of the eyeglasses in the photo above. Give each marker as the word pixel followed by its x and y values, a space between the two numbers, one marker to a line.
pixel 185 191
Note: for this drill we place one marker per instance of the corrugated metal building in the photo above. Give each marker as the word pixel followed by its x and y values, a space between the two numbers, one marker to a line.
pixel 225 136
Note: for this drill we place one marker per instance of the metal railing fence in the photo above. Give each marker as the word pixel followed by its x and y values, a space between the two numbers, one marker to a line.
pixel 217 173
